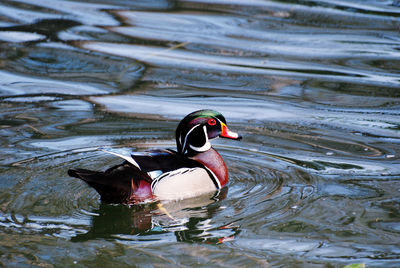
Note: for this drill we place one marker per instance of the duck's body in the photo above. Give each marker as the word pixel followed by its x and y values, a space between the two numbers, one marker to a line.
pixel 196 168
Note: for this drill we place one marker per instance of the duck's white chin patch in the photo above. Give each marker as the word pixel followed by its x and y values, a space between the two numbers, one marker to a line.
pixel 205 147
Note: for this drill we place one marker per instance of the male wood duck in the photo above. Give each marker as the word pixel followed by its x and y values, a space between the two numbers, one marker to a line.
pixel 196 168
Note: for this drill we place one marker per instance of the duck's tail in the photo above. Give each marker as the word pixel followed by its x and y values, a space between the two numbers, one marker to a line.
pixel 111 189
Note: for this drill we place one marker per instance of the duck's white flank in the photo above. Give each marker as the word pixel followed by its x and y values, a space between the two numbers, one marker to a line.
pixel 182 183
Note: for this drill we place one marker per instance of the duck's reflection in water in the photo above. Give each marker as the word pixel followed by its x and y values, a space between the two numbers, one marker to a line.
pixel 189 219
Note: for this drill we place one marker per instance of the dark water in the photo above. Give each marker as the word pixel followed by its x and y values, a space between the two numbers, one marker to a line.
pixel 313 86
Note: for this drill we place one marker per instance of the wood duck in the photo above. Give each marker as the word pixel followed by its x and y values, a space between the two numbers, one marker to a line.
pixel 194 169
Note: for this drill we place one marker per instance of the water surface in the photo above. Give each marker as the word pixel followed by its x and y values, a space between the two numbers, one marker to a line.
pixel 313 86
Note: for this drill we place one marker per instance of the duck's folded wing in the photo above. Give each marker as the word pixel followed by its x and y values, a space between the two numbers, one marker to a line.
pixel 156 161
pixel 127 156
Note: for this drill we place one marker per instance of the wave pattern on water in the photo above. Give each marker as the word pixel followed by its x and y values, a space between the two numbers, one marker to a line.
pixel 311 85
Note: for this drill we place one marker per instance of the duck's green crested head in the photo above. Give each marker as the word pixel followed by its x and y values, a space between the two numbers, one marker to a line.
pixel 195 131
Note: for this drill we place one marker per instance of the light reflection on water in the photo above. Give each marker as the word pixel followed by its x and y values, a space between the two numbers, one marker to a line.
pixel 311 85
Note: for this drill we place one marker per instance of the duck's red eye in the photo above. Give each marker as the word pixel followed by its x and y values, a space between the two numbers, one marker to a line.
pixel 212 122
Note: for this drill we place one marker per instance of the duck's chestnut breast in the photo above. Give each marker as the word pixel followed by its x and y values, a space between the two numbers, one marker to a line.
pixel 213 160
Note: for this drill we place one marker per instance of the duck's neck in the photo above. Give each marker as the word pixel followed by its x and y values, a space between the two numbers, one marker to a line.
pixel 213 160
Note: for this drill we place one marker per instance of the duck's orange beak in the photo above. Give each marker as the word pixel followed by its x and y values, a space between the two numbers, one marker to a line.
pixel 226 133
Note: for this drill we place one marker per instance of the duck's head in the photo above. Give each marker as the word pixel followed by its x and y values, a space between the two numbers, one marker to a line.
pixel 195 131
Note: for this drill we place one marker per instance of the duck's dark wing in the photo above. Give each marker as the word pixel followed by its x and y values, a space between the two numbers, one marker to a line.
pixel 158 161
pixel 162 160
pixel 115 185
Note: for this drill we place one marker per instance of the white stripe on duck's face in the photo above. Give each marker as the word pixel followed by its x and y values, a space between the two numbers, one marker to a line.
pixel 183 183
pixel 206 144
pixel 197 139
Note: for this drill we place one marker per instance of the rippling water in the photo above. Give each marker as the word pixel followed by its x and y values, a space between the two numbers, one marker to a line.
pixel 313 86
